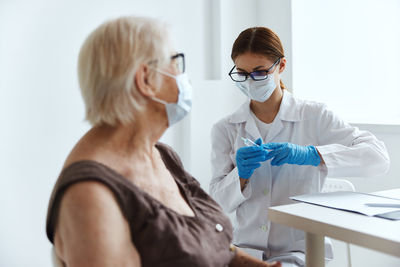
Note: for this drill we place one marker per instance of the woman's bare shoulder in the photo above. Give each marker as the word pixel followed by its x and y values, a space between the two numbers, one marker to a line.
pixel 84 149
pixel 91 226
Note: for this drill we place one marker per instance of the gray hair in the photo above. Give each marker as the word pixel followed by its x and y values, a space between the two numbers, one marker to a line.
pixel 108 61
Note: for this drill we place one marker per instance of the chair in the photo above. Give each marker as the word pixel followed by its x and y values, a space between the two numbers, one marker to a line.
pixel 334 185
pixel 54 259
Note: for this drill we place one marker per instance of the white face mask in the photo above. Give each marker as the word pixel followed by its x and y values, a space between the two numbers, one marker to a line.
pixel 258 90
pixel 177 111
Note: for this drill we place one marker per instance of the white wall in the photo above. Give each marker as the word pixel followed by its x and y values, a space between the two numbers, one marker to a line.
pixel 346 54
pixel 42 112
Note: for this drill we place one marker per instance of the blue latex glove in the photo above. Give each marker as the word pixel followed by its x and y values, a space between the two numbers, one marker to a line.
pixel 248 159
pixel 282 153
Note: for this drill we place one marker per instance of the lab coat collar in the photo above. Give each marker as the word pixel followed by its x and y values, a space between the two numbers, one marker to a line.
pixel 243 114
pixel 288 111
pixel 290 108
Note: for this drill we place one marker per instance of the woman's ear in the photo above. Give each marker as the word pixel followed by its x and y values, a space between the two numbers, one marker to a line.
pixel 282 65
pixel 142 81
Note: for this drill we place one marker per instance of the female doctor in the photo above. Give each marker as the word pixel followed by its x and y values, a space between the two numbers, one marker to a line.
pixel 298 144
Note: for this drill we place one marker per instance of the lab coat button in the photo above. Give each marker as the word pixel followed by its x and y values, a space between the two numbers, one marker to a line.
pixel 265 192
pixel 219 227
pixel 264 228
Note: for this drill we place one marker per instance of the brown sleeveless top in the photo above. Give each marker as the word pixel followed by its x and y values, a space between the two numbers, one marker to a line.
pixel 161 236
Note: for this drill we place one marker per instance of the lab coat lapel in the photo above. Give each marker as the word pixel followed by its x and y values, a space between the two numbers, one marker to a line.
pixel 243 115
pixel 287 113
pixel 251 128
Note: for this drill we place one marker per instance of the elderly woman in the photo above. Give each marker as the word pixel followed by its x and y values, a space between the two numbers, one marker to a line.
pixel 123 198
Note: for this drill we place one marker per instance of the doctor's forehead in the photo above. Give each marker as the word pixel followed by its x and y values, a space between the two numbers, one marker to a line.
pixel 250 61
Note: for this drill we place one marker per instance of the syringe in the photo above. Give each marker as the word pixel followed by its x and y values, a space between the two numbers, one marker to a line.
pixel 248 142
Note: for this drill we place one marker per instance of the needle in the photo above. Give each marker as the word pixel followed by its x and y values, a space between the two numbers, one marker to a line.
pixel 248 142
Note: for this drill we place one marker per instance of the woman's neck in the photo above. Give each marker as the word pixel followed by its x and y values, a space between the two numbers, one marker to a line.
pixel 134 142
pixel 267 111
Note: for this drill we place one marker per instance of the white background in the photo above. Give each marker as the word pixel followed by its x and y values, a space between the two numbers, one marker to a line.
pixel 347 54
pixel 41 111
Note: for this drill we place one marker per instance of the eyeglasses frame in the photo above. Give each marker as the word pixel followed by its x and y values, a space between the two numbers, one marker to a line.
pixel 251 73
pixel 173 57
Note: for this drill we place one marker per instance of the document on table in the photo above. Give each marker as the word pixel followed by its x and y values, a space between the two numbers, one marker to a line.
pixel 367 204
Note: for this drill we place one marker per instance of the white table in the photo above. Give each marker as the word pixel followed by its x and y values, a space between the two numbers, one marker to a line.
pixel 317 221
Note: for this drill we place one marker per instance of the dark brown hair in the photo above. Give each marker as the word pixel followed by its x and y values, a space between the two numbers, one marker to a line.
pixel 259 40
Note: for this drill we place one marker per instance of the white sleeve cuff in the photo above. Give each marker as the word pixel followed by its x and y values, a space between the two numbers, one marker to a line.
pixel 246 193
pixel 227 191
pixel 327 153
pixel 258 254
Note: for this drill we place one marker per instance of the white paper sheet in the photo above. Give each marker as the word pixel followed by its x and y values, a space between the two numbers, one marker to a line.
pixel 350 201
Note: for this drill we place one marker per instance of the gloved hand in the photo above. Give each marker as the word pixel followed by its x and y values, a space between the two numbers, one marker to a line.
pixel 282 153
pixel 248 159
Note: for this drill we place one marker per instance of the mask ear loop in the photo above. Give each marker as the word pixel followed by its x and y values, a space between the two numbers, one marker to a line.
pixel 160 100
pixel 276 67
pixel 164 73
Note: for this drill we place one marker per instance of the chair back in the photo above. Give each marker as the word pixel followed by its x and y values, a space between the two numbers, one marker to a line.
pixel 334 185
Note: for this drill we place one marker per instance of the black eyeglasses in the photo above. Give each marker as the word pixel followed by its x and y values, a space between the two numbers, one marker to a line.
pixel 178 60
pixel 258 75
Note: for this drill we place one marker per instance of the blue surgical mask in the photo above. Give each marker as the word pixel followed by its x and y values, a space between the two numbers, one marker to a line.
pixel 258 90
pixel 177 111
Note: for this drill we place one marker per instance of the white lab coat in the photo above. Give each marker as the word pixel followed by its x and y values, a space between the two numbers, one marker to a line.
pixel 346 150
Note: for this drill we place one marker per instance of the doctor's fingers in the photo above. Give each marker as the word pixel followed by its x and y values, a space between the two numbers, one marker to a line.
pixel 270 146
pixel 258 141
pixel 279 160
pixel 247 155
pixel 254 160
pixel 273 153
pixel 250 149
pixel 251 166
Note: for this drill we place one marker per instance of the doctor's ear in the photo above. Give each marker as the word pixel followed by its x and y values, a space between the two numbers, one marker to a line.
pixel 282 65
pixel 142 81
